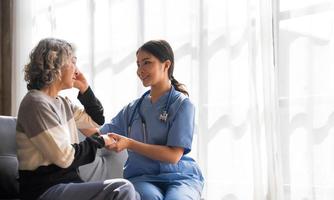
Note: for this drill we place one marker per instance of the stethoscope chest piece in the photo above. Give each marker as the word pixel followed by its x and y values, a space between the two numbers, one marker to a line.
pixel 163 116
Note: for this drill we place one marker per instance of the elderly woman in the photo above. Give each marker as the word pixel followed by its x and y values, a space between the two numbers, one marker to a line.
pixel 49 152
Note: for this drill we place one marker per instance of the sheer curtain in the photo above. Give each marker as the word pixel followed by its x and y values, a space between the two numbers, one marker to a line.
pixel 225 54
pixel 306 98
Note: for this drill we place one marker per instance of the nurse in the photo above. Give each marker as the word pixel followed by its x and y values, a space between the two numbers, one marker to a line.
pixel 157 130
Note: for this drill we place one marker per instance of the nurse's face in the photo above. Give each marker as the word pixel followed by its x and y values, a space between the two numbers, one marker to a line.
pixel 68 73
pixel 150 70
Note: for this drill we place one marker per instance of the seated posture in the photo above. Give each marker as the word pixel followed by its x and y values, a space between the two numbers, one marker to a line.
pixel 48 149
pixel 157 129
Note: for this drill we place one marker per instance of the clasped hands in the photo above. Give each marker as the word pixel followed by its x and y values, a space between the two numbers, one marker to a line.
pixel 115 142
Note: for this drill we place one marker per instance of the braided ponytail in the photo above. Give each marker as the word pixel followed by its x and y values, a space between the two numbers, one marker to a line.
pixel 178 86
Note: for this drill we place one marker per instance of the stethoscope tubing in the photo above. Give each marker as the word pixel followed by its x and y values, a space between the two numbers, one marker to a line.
pixel 163 116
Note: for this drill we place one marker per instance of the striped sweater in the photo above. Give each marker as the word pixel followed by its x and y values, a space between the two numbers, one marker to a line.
pixel 48 148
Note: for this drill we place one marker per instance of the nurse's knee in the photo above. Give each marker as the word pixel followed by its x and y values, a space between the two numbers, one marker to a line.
pixel 151 196
pixel 148 191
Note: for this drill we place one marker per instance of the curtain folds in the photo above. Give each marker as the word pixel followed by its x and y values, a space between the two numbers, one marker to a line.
pixel 224 54
pixel 258 71
pixel 306 98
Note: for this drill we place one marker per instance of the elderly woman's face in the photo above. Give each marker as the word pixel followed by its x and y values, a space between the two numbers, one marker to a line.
pixel 68 72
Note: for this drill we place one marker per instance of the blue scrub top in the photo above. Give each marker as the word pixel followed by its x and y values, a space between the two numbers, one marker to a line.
pixel 176 132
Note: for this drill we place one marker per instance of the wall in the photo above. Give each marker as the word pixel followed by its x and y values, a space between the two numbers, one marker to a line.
pixel 6 9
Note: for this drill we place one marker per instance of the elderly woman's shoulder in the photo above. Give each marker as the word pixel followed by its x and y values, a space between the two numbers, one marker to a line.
pixel 35 98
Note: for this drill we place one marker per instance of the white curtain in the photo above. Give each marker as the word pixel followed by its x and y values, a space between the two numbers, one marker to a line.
pixel 258 71
pixel 306 98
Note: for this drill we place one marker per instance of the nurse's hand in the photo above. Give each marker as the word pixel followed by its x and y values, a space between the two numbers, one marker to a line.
pixel 120 143
pixel 80 81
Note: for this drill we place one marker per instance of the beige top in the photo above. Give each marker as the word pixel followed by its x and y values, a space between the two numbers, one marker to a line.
pixel 46 128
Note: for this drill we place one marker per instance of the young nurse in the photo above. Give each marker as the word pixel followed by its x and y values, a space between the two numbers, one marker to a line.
pixel 157 130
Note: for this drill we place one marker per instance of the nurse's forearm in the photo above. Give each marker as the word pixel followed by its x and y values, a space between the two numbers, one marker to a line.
pixel 157 152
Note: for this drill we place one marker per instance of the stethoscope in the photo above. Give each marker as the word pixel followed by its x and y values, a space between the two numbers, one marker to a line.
pixel 163 116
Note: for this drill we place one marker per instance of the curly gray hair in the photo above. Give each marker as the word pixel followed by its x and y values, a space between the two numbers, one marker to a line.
pixel 46 60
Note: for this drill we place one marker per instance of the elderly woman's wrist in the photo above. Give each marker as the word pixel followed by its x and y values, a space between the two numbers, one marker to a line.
pixel 83 89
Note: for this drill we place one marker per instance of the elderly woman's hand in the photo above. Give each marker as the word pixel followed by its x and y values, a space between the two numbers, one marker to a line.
pixel 120 142
pixel 80 82
pixel 108 141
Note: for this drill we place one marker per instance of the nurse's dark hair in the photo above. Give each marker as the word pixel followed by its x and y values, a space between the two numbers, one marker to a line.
pixel 45 62
pixel 163 51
